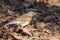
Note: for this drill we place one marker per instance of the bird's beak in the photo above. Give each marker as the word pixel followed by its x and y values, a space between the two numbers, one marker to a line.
pixel 34 13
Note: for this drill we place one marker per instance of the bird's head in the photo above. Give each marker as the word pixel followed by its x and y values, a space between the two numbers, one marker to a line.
pixel 31 13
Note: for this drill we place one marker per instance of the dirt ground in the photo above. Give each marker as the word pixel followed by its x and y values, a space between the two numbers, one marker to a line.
pixel 45 25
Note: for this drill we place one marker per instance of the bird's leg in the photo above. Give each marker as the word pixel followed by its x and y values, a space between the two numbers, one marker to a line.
pixel 19 26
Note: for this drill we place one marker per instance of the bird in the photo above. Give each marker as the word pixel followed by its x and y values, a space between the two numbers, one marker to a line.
pixel 24 19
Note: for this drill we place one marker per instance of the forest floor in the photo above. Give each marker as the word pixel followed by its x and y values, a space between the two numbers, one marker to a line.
pixel 45 25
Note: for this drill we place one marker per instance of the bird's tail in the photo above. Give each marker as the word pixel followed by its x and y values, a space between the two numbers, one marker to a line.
pixel 13 23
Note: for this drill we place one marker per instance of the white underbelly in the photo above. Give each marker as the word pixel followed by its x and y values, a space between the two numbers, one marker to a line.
pixel 24 24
